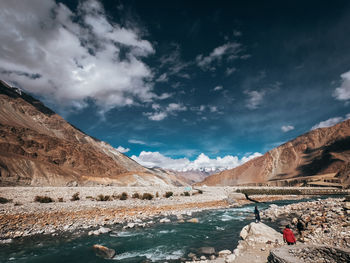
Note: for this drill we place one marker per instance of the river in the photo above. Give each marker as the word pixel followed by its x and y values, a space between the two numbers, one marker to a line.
pixel 166 242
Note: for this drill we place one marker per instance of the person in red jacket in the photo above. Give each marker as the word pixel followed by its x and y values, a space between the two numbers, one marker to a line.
pixel 288 236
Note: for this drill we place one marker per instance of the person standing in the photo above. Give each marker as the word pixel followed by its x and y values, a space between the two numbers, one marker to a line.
pixel 288 236
pixel 257 214
pixel 300 227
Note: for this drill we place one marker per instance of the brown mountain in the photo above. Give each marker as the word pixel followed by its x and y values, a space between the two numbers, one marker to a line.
pixel 38 147
pixel 319 157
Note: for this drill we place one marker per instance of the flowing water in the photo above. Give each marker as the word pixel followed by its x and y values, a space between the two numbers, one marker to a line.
pixel 166 242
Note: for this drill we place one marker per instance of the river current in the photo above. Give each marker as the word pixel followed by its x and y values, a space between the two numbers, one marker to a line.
pixel 162 242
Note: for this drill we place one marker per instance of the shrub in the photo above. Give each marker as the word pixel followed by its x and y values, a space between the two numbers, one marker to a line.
pixel 60 199
pixel 75 197
pixel 102 197
pixel 200 191
pixel 90 197
pixel 157 194
pixel 186 194
pixel 17 204
pixel 43 199
pixel 136 195
pixel 4 200
pixel 147 196
pixel 168 194
pixel 123 196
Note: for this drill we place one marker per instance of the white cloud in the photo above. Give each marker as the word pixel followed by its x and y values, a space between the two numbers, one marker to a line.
pixel 49 50
pixel 217 88
pixel 133 141
pixel 229 71
pixel 287 128
pixel 122 149
pixel 163 78
pixel 202 162
pixel 343 92
pixel 230 49
pixel 161 113
pixel 255 98
pixel 328 123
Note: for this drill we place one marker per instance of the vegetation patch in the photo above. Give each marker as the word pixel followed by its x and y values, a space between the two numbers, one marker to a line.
pixel 147 196
pixel 102 197
pixel 168 194
pixel 43 199
pixel 186 194
pixel 75 197
pixel 60 199
pixel 123 196
pixel 4 200
pixel 269 191
pixel 136 195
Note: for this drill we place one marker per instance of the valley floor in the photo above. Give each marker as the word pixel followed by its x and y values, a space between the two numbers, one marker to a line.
pixel 24 217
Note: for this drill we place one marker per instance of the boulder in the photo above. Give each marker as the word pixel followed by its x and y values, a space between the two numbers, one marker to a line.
pixel 103 252
pixel 230 258
pixel 206 250
pixel 164 220
pixel 224 253
pixel 193 220
pixel 260 233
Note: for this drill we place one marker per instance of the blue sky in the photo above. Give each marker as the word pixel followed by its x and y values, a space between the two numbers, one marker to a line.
pixel 222 78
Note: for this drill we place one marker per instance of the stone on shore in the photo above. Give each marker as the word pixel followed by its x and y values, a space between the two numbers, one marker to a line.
pixel 309 253
pixel 206 250
pixel 260 233
pixel 103 252
pixel 193 220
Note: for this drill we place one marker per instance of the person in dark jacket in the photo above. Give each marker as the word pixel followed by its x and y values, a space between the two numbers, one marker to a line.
pixel 300 227
pixel 288 236
pixel 257 214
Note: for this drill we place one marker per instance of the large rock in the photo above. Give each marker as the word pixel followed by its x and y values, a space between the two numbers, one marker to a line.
pixel 260 233
pixel 206 250
pixel 309 253
pixel 103 252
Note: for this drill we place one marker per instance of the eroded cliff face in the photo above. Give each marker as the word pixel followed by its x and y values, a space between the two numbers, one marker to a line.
pixel 321 151
pixel 38 147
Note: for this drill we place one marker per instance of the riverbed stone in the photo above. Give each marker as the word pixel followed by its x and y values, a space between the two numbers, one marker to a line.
pixel 103 252
pixel 206 250
pixel 193 220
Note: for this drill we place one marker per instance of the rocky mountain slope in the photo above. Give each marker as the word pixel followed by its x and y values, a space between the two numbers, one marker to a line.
pixel 38 147
pixel 318 152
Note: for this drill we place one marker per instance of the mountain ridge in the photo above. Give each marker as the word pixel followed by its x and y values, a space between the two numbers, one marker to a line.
pixel 317 152
pixel 38 147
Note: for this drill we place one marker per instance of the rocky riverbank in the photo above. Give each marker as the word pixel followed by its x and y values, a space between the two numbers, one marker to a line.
pixel 75 208
pixel 327 226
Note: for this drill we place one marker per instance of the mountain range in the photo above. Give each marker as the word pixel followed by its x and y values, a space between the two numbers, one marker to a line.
pixel 320 157
pixel 38 147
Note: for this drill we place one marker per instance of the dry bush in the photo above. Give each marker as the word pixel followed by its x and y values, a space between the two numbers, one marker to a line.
pixel 186 194
pixel 168 194
pixel 75 197
pixel 43 199
pixel 147 196
pixel 136 195
pixel 60 199
pixel 102 197
pixel 4 200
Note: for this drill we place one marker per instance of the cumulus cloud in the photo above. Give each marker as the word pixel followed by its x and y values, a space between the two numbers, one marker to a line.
pixel 255 98
pixel 72 57
pixel 122 149
pixel 229 50
pixel 343 92
pixel 161 113
pixel 330 122
pixel 202 162
pixel 287 128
